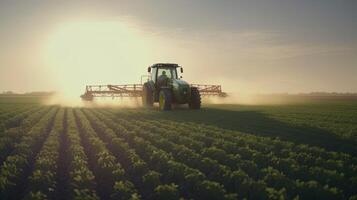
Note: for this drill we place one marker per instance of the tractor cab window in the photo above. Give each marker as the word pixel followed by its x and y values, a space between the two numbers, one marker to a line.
pixel 168 72
pixel 153 74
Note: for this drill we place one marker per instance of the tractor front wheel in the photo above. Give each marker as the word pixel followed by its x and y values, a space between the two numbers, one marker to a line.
pixel 165 99
pixel 195 100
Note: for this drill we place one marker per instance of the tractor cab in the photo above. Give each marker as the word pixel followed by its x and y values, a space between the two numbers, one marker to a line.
pixel 162 73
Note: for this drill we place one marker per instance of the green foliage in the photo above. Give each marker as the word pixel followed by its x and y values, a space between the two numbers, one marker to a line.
pixel 211 190
pixel 36 196
pixel 124 190
pixel 167 192
pixel 151 179
pixel 142 154
pixel 14 167
pixel 87 194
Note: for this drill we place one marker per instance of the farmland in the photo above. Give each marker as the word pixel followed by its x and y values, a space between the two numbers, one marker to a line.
pixel 301 151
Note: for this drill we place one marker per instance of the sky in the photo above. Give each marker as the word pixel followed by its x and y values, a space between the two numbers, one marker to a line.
pixel 267 46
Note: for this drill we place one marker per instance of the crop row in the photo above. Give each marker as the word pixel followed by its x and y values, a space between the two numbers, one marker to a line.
pixel 248 145
pixel 262 144
pixel 265 162
pixel 234 181
pixel 109 174
pixel 262 166
pixel 81 180
pixel 14 117
pixel 151 183
pixel 191 182
pixel 13 135
pixel 42 182
pixel 16 167
pixel 80 153
pixel 11 110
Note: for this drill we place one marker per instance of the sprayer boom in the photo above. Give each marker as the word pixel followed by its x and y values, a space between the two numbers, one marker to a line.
pixel 136 90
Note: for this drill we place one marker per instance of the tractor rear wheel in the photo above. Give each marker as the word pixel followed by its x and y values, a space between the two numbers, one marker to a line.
pixel 165 99
pixel 195 100
pixel 147 96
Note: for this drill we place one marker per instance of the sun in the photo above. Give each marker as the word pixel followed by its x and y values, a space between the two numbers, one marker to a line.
pixel 95 52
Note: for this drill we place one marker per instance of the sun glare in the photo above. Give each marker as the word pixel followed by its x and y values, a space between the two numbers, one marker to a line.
pixel 81 53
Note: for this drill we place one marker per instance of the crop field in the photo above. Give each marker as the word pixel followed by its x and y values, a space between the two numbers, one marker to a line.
pixel 299 151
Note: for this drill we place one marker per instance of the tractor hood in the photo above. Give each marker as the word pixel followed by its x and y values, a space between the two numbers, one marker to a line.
pixel 181 91
pixel 180 83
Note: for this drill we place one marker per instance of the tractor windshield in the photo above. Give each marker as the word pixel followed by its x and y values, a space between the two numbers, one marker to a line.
pixel 170 72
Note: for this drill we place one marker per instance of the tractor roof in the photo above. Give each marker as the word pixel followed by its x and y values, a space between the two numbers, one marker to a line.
pixel 165 65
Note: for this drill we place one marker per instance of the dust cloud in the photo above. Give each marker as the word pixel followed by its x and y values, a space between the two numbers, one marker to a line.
pixel 255 99
pixel 62 99
pixel 126 102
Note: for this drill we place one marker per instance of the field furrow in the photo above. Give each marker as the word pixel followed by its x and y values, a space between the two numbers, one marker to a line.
pixel 81 180
pixel 42 183
pixel 62 174
pixel 108 172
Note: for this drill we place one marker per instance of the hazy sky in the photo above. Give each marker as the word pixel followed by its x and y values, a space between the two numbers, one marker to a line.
pixel 248 46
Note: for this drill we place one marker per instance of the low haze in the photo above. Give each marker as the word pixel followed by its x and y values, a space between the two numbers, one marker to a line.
pixel 247 46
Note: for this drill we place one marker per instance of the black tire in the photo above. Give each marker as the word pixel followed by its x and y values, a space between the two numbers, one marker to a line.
pixel 165 99
pixel 147 96
pixel 195 100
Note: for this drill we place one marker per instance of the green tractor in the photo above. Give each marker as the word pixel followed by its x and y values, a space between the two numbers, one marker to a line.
pixel 166 88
